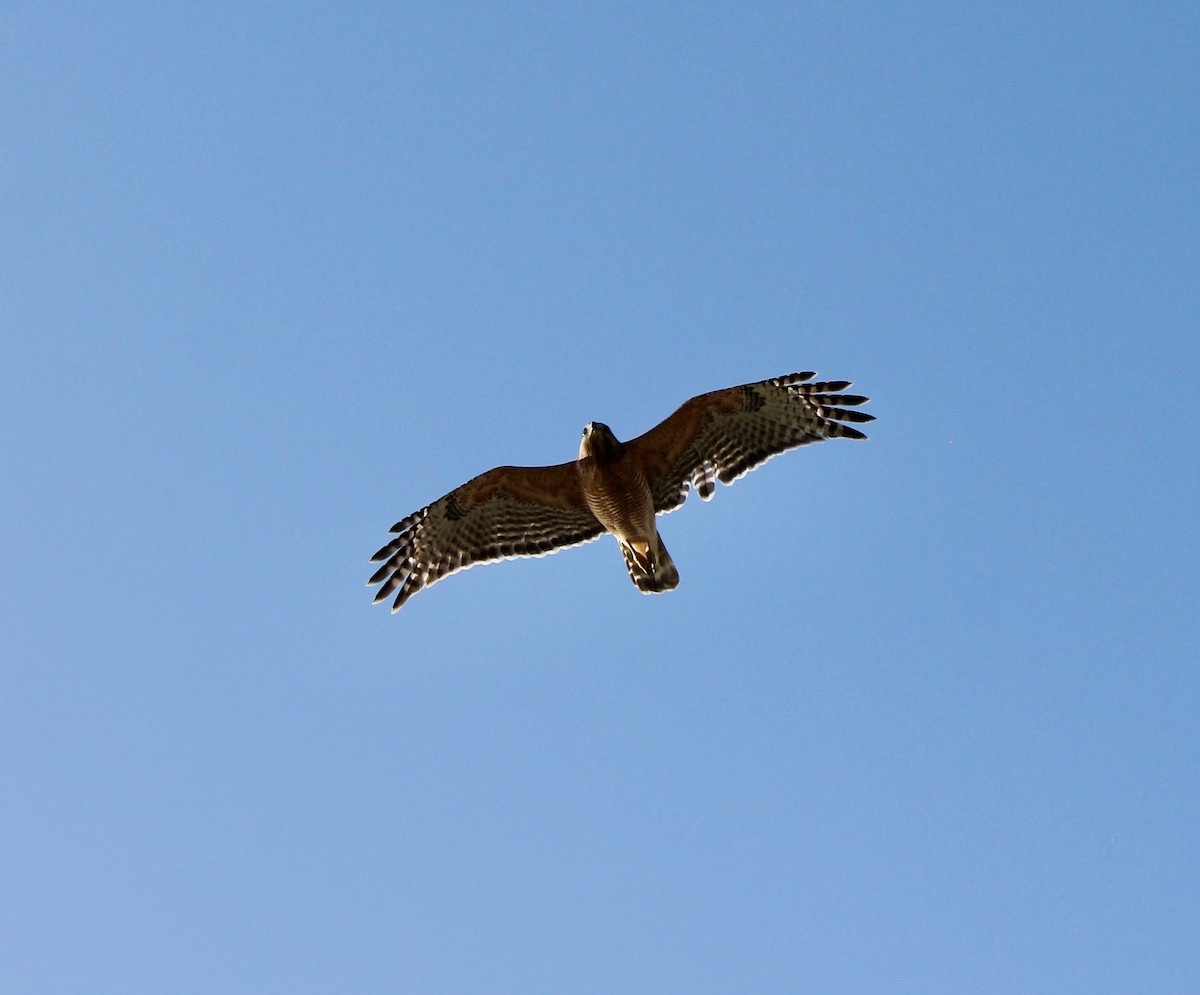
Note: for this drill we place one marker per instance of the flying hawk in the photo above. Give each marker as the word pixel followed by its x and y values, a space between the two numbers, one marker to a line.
pixel 614 486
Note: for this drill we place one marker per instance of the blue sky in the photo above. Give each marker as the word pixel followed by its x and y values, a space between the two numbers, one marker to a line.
pixel 922 714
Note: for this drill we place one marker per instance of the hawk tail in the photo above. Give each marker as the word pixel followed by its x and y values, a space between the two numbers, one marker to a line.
pixel 651 570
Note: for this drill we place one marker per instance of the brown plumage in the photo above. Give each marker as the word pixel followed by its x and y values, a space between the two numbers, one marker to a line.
pixel 618 492
pixel 613 486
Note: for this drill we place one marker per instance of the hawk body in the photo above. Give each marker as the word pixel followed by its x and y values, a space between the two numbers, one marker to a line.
pixel 616 487
pixel 618 492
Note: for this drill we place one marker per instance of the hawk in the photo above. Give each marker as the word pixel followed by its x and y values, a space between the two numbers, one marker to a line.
pixel 616 487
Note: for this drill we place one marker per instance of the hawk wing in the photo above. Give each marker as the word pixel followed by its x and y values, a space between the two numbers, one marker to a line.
pixel 509 511
pixel 726 433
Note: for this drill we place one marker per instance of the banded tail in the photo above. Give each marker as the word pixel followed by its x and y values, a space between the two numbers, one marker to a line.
pixel 651 570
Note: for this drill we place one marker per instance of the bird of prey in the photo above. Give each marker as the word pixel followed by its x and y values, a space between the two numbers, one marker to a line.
pixel 613 486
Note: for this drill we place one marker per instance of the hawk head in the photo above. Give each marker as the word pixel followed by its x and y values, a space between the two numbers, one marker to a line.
pixel 599 443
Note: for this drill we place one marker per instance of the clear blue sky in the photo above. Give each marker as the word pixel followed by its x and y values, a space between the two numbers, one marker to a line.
pixel 923 713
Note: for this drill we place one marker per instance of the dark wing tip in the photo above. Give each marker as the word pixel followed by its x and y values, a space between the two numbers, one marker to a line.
pixel 837 407
pixel 841 415
pixel 385 551
pixel 792 378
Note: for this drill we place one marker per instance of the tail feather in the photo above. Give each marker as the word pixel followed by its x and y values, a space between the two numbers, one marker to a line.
pixel 652 572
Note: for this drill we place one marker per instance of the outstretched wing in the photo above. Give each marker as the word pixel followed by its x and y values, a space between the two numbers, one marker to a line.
pixel 726 433
pixel 509 511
